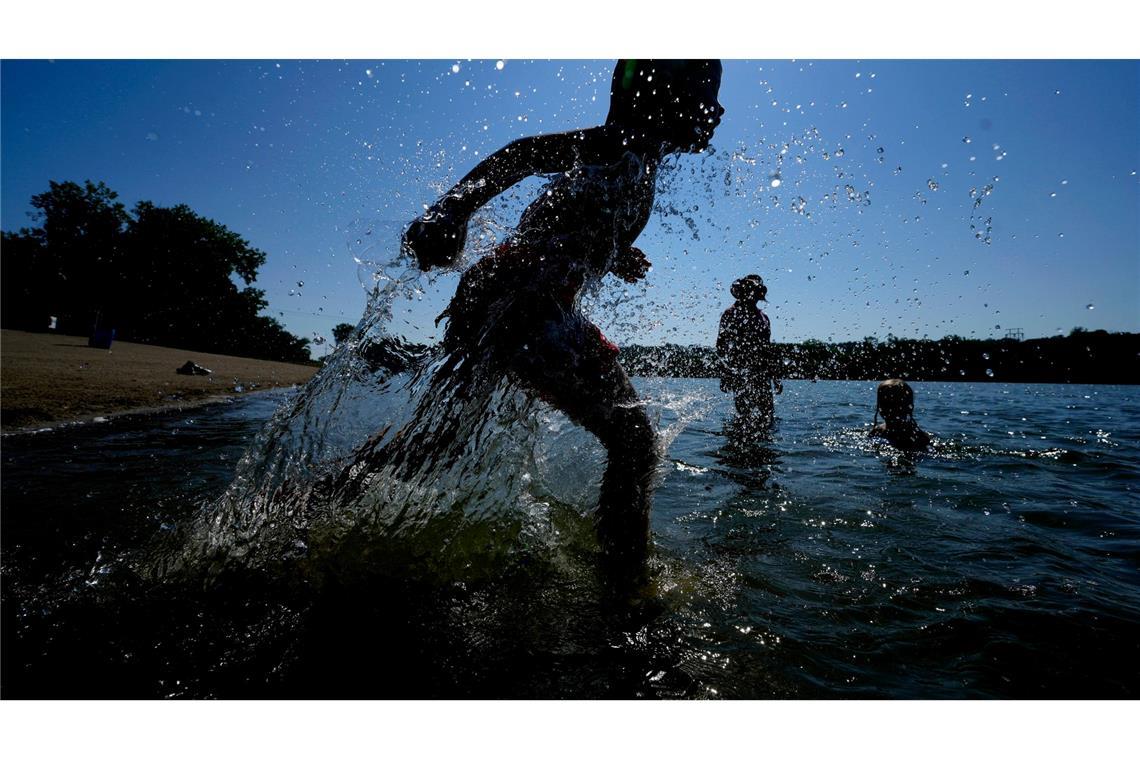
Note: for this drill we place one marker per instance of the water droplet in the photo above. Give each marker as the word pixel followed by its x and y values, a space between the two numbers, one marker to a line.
pixel 499 65
pixel 932 184
pixel 989 372
pixel 966 140
pixel 775 181
pixel 986 356
pixel 455 68
pixel 300 283
pixel 1090 307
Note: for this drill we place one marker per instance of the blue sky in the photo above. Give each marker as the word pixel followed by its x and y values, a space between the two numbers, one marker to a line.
pixel 300 157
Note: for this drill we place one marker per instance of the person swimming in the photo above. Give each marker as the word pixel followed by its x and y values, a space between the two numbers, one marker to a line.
pixel 895 401
pixel 517 311
pixel 744 345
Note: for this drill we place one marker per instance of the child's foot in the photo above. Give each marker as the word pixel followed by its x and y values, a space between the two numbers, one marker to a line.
pixel 625 546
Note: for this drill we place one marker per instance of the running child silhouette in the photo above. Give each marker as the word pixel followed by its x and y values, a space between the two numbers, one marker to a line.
pixel 516 312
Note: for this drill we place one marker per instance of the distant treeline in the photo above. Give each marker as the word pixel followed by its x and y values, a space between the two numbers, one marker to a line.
pixel 1080 357
pixel 157 275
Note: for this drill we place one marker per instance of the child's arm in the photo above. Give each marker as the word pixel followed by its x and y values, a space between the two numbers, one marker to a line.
pixel 437 237
pixel 728 337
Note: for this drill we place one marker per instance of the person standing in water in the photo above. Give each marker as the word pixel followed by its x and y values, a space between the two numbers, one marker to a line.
pixel 517 311
pixel 895 401
pixel 744 345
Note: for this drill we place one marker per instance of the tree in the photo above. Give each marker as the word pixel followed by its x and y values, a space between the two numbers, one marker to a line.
pixel 341 332
pixel 25 284
pixel 181 279
pixel 70 260
pixel 156 275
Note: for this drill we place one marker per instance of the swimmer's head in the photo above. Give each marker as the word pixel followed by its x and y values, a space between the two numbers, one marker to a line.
pixel 749 289
pixel 895 401
pixel 671 101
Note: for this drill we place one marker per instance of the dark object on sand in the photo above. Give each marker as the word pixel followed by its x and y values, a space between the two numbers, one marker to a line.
pixel 190 368
pixel 102 337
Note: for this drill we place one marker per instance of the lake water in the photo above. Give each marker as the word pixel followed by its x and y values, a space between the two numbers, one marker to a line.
pixel 804 564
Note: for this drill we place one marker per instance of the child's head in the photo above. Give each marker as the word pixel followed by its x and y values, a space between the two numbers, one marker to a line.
pixel 674 101
pixel 749 289
pixel 895 401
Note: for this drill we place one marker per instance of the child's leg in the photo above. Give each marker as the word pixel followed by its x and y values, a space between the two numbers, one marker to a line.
pixel 575 369
pixel 756 401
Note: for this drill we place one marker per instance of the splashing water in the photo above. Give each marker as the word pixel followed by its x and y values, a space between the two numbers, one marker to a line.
pixel 328 470
pixel 371 465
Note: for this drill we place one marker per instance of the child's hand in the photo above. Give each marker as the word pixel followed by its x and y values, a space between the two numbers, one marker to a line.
pixel 436 239
pixel 631 266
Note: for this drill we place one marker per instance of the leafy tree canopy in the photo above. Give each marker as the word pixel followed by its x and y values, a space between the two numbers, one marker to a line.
pixel 156 275
pixel 341 332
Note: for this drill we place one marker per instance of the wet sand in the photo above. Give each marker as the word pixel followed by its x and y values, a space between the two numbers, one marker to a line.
pixel 47 379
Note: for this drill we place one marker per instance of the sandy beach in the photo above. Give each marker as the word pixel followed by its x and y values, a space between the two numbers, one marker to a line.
pixel 47 379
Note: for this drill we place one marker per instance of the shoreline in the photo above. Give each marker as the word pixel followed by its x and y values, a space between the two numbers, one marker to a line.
pixel 49 380
pixel 138 411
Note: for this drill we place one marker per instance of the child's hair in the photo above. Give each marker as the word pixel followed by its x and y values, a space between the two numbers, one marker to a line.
pixel 642 87
pixel 749 288
pixel 895 398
